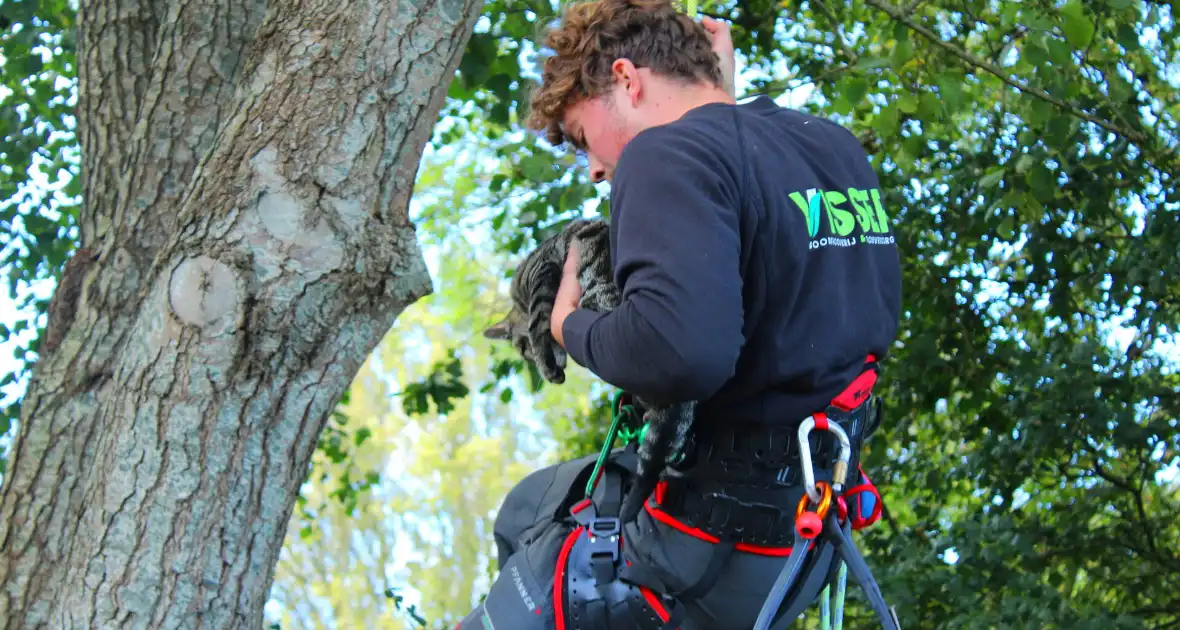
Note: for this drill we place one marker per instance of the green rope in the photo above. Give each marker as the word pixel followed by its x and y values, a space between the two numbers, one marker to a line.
pixel 841 586
pixel 825 609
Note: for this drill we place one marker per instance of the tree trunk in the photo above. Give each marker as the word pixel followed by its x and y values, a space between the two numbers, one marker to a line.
pixel 246 170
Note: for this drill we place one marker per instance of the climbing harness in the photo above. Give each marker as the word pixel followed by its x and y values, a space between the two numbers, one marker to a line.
pixel 756 488
pixel 595 589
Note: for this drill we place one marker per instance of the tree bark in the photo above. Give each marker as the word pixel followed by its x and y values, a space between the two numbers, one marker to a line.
pixel 247 169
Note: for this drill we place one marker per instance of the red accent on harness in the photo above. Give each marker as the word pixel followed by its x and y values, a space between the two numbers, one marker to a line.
pixel 579 506
pixel 855 394
pixel 671 521
pixel 559 576
pixel 821 421
pixel 858 521
pixel 655 603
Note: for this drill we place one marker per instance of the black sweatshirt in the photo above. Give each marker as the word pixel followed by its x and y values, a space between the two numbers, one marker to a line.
pixel 756 261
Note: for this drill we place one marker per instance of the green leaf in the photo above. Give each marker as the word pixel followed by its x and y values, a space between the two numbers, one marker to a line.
pixel 855 89
pixel 908 103
pixel 886 123
pixel 950 88
pixel 1039 110
pixel 1078 28
pixel 1035 53
pixel 903 51
pixel 1007 228
pixel 993 177
pixel 870 62
pixel 1127 36
pixel 537 168
pixel 361 435
pixel 929 107
pixel 1060 52
pixel 1042 182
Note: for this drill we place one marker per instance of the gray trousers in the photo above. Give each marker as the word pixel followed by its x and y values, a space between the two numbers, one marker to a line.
pixel 530 527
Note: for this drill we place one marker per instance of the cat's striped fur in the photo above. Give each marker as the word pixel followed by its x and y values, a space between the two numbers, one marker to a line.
pixel 533 290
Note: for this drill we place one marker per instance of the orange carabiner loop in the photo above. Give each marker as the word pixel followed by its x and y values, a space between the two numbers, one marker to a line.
pixel 825 501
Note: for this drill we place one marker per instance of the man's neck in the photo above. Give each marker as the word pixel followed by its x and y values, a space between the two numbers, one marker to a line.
pixel 674 104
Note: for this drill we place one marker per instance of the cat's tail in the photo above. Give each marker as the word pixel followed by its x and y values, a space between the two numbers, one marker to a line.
pixel 664 439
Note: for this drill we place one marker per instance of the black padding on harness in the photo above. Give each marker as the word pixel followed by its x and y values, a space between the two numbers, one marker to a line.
pixel 742 482
pixel 598 594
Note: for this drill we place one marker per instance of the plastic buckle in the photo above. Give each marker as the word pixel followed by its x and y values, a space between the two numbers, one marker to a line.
pixel 604 537
pixel 753 523
pixel 765 520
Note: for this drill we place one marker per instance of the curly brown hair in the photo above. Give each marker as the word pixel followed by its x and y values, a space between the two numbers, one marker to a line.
pixel 594 33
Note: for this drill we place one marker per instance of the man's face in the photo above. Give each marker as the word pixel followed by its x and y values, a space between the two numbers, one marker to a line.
pixel 637 100
pixel 598 127
pixel 603 125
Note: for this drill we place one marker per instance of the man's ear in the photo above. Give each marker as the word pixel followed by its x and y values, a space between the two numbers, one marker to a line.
pixel 499 330
pixel 627 76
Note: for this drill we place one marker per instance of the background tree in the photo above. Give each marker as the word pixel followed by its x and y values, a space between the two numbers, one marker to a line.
pixel 1029 151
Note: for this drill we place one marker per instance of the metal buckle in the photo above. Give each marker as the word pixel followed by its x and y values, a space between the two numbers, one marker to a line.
pixel 604 537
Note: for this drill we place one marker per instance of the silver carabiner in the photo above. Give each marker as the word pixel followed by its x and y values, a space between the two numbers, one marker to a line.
pixel 839 472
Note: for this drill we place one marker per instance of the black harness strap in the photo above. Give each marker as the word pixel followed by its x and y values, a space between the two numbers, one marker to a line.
pixel 835 533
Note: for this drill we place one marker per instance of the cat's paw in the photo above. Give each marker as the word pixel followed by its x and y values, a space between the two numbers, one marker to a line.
pixel 552 366
pixel 555 376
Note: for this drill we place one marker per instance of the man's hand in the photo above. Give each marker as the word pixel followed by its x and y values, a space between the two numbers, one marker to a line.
pixel 569 293
pixel 723 46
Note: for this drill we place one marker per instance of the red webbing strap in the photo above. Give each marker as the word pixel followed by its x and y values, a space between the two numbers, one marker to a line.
pixel 859 390
pixel 559 577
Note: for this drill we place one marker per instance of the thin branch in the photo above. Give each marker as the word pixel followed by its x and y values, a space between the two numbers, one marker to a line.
pixel 899 14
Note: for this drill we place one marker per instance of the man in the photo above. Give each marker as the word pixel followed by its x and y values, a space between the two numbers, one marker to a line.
pixel 759 278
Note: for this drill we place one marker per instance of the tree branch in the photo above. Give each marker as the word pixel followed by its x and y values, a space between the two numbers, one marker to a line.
pixel 899 14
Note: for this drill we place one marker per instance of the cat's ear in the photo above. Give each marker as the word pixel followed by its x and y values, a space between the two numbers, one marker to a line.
pixel 499 330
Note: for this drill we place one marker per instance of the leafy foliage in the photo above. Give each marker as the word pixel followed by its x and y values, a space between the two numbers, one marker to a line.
pixel 39 191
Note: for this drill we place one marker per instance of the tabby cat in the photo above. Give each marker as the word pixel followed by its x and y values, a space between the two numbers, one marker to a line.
pixel 533 290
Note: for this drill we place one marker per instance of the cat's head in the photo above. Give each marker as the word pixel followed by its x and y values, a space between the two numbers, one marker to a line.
pixel 533 291
pixel 535 284
pixel 543 352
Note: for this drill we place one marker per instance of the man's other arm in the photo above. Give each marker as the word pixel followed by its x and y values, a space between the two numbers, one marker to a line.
pixel 678 332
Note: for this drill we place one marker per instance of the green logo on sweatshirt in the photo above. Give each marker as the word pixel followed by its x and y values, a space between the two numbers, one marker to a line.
pixel 842 212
